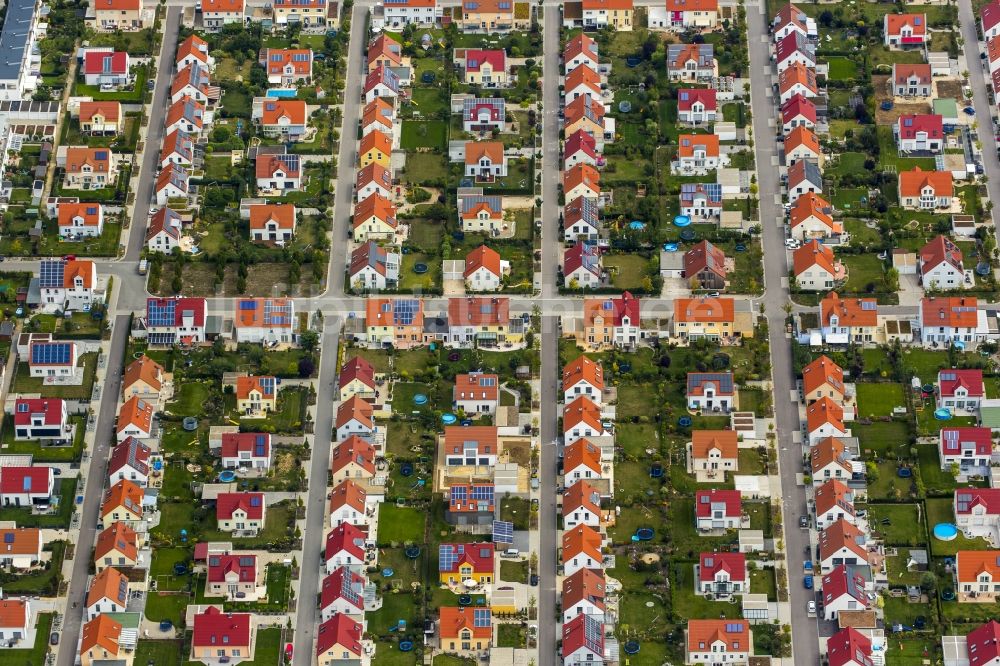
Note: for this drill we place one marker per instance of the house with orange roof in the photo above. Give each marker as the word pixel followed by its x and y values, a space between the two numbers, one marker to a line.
pixel 476 393
pixel 582 418
pixel 122 503
pixel 581 49
pixel 698 154
pixel 944 320
pixel 483 320
pixel 17 624
pixel 802 144
pixel 80 220
pixel 583 593
pixel 611 322
pixel 470 446
pixel 582 548
pixel 100 642
pixel 101 118
pixel 705 265
pixel 376 147
pixel 825 418
pixel 373 179
pixel 711 391
pixel 696 106
pixel 811 216
pixel 816 268
pixel 187 115
pixel 268 321
pixel 349 504
pixel 582 460
pixel 108 593
pixel 379 115
pixel 484 269
pixel 135 419
pixel 681 15
pixel 193 49
pixel 22 547
pixel 904 30
pixel 353 458
pixel 217 13
pixel 194 81
pixel 308 13
pixel 278 173
pixel 490 17
pixel 912 80
pixel 925 190
pixel 117 545
pixel 583 377
pixel 711 318
pixel 287 119
pixel 384 51
pixel 797 79
pixel 977 576
pixel 354 418
pixel 375 219
pixel 842 544
pixel 394 322
pixel 288 67
pixel 846 320
pixel 712 453
pixel 823 378
pixel 581 506
pixel 124 15
pixel 485 160
pixel 790 19
pixel 691 62
pixel 482 213
pixel 830 458
pixel 465 630
pixel 586 114
pixel 235 576
pixel 67 284
pixel 272 223
pixel 582 82
pixel 382 83
pixel 581 180
pixel 88 168
pixel 600 14
pixel 834 501
pixel 471 503
pixel 718 641
pixel 256 396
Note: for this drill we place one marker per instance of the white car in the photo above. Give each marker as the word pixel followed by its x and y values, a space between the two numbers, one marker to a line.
pixel 811 607
pixel 792 243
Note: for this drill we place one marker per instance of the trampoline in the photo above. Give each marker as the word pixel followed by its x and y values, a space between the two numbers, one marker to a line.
pixel 420 268
pixel 448 418
pixel 927 388
pixel 644 534
pixel 656 471
pixel 412 552
pixel 180 569
pixel 406 646
pixel 190 423
pixel 684 421
pixel 948 594
pixel 904 472
pixel 464 600
pixel 982 269
pixel 454 356
pixel 625 106
pixel 687 235
pixel 631 647
pixel 227 476
pixel 406 469
pixel 945 532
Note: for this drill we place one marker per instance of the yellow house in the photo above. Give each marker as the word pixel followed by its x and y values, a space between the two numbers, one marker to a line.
pixel 125 15
pixel 482 318
pixel 376 148
pixel 100 641
pixel 492 16
pixel 460 562
pixel 374 219
pixel 711 318
pixel 484 67
pixel 465 630
pixel 219 635
pixel 256 396
pixel 616 14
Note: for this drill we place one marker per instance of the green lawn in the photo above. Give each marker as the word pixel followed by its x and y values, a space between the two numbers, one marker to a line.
pixel 762 582
pixel 425 168
pixel 905 526
pixel 635 400
pixel 424 134
pixel 941 510
pixel 879 399
pixel 864 273
pixel 636 438
pixel 65 488
pixel 514 571
pixel 36 654
pixel 25 383
pixel 937 481
pixel 400 524
pixel 887 438
pixel 842 68
pixel 627 270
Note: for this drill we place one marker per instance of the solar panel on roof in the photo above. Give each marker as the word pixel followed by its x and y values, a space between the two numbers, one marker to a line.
pixel 246 561
pixel 733 627
pixel 458 494
pixel 481 617
pixel 254 501
pixel 51 353
pixel 8 537
pixel 869 305
pixel 248 305
pixel 50 273
pixel 593 632
pixel 448 555
pixel 503 531
pixel 948 376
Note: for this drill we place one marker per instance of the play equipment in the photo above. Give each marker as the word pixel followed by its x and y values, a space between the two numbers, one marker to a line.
pixel 190 423
pixel 684 421
pixel 420 268
pixel 406 469
pixel 643 534
pixel 904 472
pixel 412 552
pixel 656 471
pixel 636 225
pixel 631 647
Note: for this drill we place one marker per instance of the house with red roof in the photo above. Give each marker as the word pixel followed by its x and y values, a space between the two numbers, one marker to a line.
pixel 278 173
pixel 581 50
pixel 583 593
pixel 26 486
pixel 612 322
pixel 940 265
pixel 339 641
pixel 581 505
pixel 842 543
pixel 680 15
pixel 171 183
pixel 248 452
pixel 718 510
pixel 129 460
pixel 843 590
pixel 980 647
pixel 373 267
pixel 483 67
pixel 798 111
pixel 919 132
pixel 718 642
pixel 582 418
pixel 904 30
pixel 349 503
pixel 354 419
pixel 580 148
pixel 41 418
pixel 969 449
pixel 242 513
pixel 583 641
pixel 582 549
pixel 721 575
pixel 476 393
pixel 960 389
pixel 911 80
pixel 80 220
pixel 849 647
pixel 345 547
pixel 834 501
pixel 484 269
pixel 582 267
pixel 989 19
pixel 583 377
pixel 237 577
pixel 353 458
pixel 175 320
pixel 108 69
pixel 357 377
pixel 482 319
pixel 706 265
pixel 484 114
pixel 701 201
pixel 459 562
pixel 947 320
pixel 217 634
pixel 791 19
pixel 382 83
pixel 816 268
pixel 794 49
pixel 465 630
pixel 164 231
pixel 696 106
pixel 977 512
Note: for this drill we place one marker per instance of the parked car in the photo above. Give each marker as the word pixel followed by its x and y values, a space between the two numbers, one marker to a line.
pixel 811 607
pixel 803 521
pixel 808 582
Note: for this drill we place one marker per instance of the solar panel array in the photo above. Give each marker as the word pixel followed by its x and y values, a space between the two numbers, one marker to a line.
pixel 734 627
pixel 51 353
pixel 50 274
pixel 267 385
pixel 448 555
pixel 8 537
pixel 277 314
pixel 161 312
pixel 349 590
pixel 481 617
pixel 503 531
pixel 259 445
pixel 948 376
pixel 962 501
pixel 723 379
pixel 405 311
pixel 593 633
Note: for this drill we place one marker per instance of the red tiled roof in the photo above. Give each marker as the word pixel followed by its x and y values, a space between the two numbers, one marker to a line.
pixel 703 500
pixel 733 564
pixel 971 379
pixel 251 503
pixel 212 627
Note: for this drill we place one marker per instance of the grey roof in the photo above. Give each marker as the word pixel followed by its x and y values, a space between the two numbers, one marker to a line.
pixel 467 203
pixel 14 37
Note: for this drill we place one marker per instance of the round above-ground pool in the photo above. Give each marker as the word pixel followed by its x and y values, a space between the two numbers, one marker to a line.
pixel 948 594
pixel 180 569
pixel 388 572
pixel 670 247
pixel 406 469
pixel 945 532
pixel 927 388
pixel 448 418
pixel 419 399
pixel 942 414
pixel 625 106
pixel 644 533
pixel 682 220
pixel 464 600
pixel 420 268
pixel 227 476
pixel 631 647
pixel 636 224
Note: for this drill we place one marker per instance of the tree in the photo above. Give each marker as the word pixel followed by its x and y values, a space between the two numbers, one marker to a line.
pixel 309 340
pixel 928 582
pixel 306 366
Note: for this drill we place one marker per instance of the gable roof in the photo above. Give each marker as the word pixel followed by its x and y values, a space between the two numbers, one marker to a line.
pixel 971 379
pixel 348 493
pixel 583 632
pixel 705 257
pixel 584 540
pixel 385 47
pixel 109 110
pixel 798 105
pixel 829 450
pixel 825 412
pixel 940 250
pixel 101 632
pixel 118 537
pixel 704 309
pixel 583 369
pixel 797 74
pixel 378 111
pixel 355 450
pixel 478 311
pixel 109 584
pixel 949 311
pixel 132 453
pixel 123 494
pixel 476 386
pixel 143 369
pixel 833 494
pixel 842 534
pixel 813 253
pixel 282 215
pixel 984 641
pixel 822 371
pixel 340 630
pixel 731 500
pixel 454 621
pixel 849 311
pixel 732 564
pixel 21 541
pixel 483 438
pixel 51 411
pixel 581 44
pixel 477 555
pixel 583 255
pixel 483 257
pixel 967 499
pixel 688 97
pixel 212 627
pixel 375 140
pixel 802 136
pixel 613 310
pixel 136 412
pixel 165 220
pixel 903 72
pixel 582 452
pixel 256 444
pixel 583 75
pixel 584 585
pixel 909 125
pixel 894 23
pixel 702 634
pixel 476 58
pixel 912 182
pixel 345 538
pixel 688 144
pixel 252 504
pixel 584 411
pixel 394 312
pixel 357 409
pixel 490 150
pixel 952 440
pixel 849 646
pixel 704 442
pixel 582 174
pixel 193 46
pixel 581 495
pixel 722 381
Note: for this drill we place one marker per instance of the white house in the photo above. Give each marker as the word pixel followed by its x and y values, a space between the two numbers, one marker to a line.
pixel 969 448
pixel 581 506
pixel 721 575
pixel 583 593
pixel 129 460
pixel 67 284
pixel 960 389
pixel 476 393
pixel 940 265
pixel 977 511
pixel 718 510
pixel 583 377
pixel 834 501
pixel 843 590
pixel 711 391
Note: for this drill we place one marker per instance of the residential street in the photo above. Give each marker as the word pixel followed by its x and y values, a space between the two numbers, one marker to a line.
pixel 805 649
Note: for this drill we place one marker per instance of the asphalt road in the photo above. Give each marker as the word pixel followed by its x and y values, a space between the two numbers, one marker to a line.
pixel 307 618
pixel 93 492
pixel 981 101
pixel 805 648
pixel 551 167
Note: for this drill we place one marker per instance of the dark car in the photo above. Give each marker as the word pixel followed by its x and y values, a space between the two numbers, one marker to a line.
pixel 803 521
pixel 534 580
pixel 54 638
